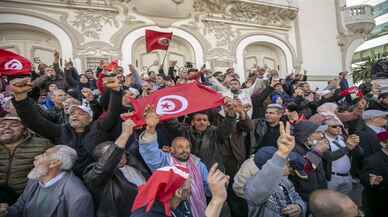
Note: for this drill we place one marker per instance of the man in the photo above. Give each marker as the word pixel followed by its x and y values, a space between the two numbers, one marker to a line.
pixel 176 191
pixel 328 203
pixel 269 192
pixel 375 121
pixel 338 161
pixel 374 177
pixel 51 76
pixel 53 190
pixel 266 131
pixel 111 180
pixel 311 144
pixel 81 132
pixel 18 147
pixel 180 155
pixel 207 141
pixel 57 113
pixel 344 84
pixel 234 90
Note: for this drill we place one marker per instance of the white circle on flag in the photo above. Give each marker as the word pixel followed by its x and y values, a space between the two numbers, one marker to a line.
pixel 171 104
pixel 13 64
pixel 164 41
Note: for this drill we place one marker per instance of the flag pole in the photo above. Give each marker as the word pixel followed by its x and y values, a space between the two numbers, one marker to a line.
pixel 164 58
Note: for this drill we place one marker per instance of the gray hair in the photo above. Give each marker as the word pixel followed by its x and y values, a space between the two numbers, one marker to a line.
pixel 66 155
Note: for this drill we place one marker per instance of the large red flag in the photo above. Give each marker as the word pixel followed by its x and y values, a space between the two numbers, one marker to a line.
pixel 157 40
pixel 177 101
pixel 12 64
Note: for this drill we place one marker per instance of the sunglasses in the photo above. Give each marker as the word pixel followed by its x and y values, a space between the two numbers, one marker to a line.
pixel 335 126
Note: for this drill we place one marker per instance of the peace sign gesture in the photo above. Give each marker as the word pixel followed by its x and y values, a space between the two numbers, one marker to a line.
pixel 286 142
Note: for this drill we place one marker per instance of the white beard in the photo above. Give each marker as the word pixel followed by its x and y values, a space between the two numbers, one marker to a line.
pixel 37 172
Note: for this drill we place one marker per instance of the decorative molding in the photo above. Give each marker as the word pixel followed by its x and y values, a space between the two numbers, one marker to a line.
pixel 247 12
pixel 70 4
pixel 224 33
pixel 91 22
pixel 218 53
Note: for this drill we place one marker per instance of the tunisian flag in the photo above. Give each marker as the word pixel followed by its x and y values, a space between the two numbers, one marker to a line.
pixel 161 187
pixel 177 101
pixel 12 64
pixel 157 40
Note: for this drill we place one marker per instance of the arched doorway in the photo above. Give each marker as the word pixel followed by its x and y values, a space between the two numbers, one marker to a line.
pixel 263 50
pixel 263 54
pixel 33 43
pixel 65 44
pixel 184 47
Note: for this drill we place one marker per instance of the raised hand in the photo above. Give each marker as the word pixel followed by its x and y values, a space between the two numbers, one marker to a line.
pixel 56 56
pixel 352 141
pixel 112 83
pixel 132 68
pixel 286 142
pixel 151 119
pixel 218 183
pixel 88 94
pixel 19 87
pixel 126 132
pixel 68 64
pixel 127 127
pixel 375 180
pixel 228 107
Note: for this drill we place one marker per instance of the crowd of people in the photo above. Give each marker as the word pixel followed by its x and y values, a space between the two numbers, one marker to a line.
pixel 275 148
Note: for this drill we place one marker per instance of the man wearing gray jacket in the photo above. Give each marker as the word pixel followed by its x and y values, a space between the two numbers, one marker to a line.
pixel 53 190
pixel 269 193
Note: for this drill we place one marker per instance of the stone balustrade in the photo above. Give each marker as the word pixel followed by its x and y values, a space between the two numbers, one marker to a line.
pixel 359 19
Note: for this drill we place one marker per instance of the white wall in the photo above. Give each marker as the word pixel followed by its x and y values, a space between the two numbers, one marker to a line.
pixel 318 27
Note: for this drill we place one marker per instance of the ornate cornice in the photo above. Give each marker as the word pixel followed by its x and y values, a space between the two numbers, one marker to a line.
pixel 247 12
pixel 73 4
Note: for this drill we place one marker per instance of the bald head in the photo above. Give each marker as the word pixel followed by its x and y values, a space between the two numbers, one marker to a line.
pixel 181 149
pixel 328 203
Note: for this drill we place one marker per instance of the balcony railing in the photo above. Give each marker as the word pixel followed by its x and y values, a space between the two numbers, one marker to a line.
pixel 359 19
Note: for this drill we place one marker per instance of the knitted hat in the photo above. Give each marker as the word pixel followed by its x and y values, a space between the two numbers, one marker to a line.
pixel 302 130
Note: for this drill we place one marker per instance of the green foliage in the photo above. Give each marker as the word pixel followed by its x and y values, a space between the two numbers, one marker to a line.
pixel 362 71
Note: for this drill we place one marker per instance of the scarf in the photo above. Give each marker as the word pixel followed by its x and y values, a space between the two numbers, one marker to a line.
pixel 197 198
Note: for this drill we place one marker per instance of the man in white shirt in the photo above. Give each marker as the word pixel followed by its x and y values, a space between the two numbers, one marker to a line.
pixel 341 180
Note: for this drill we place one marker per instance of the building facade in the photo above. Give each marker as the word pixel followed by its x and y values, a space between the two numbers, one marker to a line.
pixel 319 36
pixel 377 40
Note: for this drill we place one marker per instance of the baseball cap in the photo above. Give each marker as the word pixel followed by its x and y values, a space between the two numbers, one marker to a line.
pixel 83 108
pixel 372 113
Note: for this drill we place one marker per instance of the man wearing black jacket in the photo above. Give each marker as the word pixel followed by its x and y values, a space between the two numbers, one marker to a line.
pixel 81 133
pixel 112 182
